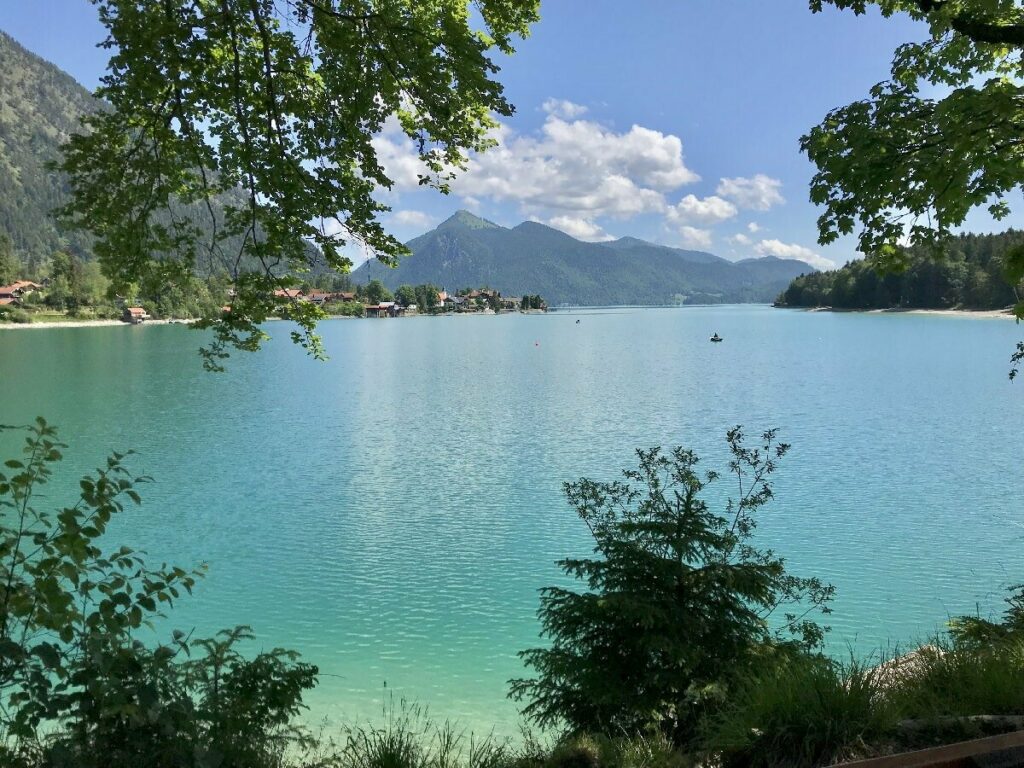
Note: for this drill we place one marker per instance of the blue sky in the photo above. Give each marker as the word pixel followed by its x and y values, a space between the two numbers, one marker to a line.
pixel 675 121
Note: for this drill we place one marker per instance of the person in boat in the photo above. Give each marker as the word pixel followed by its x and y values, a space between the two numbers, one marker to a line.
pixel 716 337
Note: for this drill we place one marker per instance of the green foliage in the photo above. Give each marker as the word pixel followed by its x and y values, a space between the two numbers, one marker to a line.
pixel 408 738
pixel 276 102
pixel 10 268
pixel 953 679
pixel 976 631
pixel 805 711
pixel 971 273
pixel 428 297
pixel 405 295
pixel 901 163
pixel 677 600
pixel 345 308
pixel 77 687
pixel 376 292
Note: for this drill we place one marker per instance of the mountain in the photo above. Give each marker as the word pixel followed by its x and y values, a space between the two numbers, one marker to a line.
pixel 466 250
pixel 39 108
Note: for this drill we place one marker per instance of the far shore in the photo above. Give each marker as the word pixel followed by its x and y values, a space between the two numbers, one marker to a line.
pixel 181 321
pixel 1005 314
pixel 86 324
pixel 978 313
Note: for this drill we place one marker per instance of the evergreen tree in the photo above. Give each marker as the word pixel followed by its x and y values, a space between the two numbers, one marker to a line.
pixel 675 602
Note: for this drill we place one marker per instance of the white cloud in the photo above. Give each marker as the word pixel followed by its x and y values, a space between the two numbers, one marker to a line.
pixel 740 239
pixel 694 210
pixel 581 229
pixel 398 159
pixel 574 168
pixel 758 193
pixel 794 251
pixel 692 237
pixel 409 218
pixel 563 108
pixel 753 227
pixel 580 168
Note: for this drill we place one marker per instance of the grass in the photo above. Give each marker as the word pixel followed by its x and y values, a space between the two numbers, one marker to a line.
pixel 811 711
pixel 807 711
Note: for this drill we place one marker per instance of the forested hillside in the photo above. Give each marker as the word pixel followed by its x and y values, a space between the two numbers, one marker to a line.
pixel 39 108
pixel 969 274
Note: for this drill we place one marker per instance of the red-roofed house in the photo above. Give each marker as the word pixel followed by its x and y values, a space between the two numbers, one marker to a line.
pixel 134 315
pixel 18 289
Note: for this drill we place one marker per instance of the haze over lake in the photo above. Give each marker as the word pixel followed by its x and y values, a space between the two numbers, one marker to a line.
pixel 391 513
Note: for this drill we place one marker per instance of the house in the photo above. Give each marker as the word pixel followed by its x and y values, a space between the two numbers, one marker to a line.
pixel 344 296
pixel 288 293
pixel 17 290
pixel 456 303
pixel 511 303
pixel 134 315
pixel 384 309
pixel 319 297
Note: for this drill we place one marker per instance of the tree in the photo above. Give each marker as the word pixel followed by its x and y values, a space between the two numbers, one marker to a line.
pixel 376 292
pixel 67 290
pixel 405 295
pixel 9 266
pixel 902 166
pixel 70 613
pixel 427 297
pixel 269 109
pixel 676 602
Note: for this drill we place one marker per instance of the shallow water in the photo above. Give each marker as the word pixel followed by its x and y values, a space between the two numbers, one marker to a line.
pixel 391 513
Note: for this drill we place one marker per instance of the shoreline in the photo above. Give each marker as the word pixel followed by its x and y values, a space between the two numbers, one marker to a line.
pixel 1006 314
pixel 88 324
pixel 984 314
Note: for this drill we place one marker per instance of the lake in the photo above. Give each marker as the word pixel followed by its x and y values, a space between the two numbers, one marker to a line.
pixel 391 513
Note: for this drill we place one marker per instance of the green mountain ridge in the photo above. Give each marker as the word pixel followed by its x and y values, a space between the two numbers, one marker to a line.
pixel 465 250
pixel 40 107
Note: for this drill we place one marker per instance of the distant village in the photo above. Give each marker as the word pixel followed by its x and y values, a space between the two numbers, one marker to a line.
pixel 376 301
pixel 372 300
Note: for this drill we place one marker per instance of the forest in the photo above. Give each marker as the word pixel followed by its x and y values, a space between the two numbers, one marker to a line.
pixel 970 272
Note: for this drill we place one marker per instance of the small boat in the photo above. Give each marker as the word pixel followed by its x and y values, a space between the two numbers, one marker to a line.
pixel 716 337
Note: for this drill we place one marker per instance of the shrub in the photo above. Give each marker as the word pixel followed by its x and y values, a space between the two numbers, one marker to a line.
pixel 76 687
pixel 676 599
pixel 14 315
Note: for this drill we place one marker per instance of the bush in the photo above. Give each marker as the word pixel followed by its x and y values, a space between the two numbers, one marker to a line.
pixel 676 599
pixel 76 687
pixel 14 315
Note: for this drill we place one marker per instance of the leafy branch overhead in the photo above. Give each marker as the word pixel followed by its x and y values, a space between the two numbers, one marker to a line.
pixel 942 137
pixel 271 107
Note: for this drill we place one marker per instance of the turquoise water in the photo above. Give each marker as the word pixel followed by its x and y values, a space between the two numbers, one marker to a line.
pixel 391 513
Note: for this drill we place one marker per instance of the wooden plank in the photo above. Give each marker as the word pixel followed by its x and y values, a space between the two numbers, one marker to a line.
pixel 1005 750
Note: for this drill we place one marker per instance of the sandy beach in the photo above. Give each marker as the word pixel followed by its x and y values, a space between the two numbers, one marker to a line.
pixel 1005 314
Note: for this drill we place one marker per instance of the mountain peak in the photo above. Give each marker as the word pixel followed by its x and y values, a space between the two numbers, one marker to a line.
pixel 467 220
